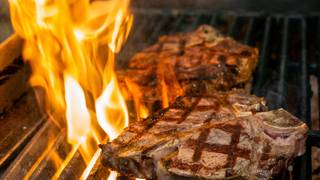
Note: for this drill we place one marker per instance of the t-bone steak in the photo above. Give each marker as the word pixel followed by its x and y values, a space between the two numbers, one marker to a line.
pixel 202 60
pixel 213 136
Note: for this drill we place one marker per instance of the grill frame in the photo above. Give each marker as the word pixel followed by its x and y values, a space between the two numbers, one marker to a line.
pixel 151 23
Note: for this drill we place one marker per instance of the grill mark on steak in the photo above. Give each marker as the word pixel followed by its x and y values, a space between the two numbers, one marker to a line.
pixel 237 152
pixel 218 148
pixel 205 108
pixel 178 104
pixel 151 121
pixel 189 110
pixel 182 103
pixel 234 151
pixel 202 137
pixel 201 145
pixel 202 60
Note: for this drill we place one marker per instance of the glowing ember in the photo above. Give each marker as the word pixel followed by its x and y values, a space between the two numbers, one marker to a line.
pixel 71 47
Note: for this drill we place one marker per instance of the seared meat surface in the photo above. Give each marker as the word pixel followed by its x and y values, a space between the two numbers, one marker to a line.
pixel 250 147
pixel 137 151
pixel 218 135
pixel 188 62
pixel 211 131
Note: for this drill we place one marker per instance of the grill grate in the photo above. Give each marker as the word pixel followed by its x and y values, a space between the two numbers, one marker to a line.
pixel 289 53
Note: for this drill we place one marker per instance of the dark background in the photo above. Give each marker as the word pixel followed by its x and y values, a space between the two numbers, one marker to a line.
pixel 247 5
pixel 268 6
pixel 5 28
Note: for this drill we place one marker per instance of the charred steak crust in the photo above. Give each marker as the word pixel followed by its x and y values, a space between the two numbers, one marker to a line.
pixel 212 131
pixel 137 151
pixel 255 146
pixel 189 62
pixel 250 147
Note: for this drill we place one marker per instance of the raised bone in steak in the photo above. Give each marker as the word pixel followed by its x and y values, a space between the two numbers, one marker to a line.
pixel 188 62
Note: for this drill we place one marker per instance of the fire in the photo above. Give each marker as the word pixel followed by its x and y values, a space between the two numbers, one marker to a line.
pixel 169 85
pixel 142 111
pixel 111 109
pixel 78 116
pixel 71 47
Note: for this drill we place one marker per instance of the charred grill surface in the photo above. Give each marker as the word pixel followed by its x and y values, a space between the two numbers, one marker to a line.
pixel 202 60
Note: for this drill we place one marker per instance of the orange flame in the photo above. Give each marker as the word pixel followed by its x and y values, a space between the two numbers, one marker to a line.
pixel 71 48
pixel 169 85
pixel 78 117
pixel 111 110
pixel 141 110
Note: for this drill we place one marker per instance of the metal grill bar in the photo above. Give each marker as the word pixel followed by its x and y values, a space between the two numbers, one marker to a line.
pixel 194 24
pixel 138 24
pixel 213 19
pixel 304 105
pixel 263 58
pixel 32 152
pixel 157 29
pixel 232 27
pixel 318 56
pixel 18 126
pixel 249 31
pixel 314 137
pixel 174 26
pixel 305 86
pixel 282 74
pixel 139 21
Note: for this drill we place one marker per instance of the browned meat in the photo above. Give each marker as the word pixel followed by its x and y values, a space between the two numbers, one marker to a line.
pixel 251 147
pixel 143 145
pixel 218 135
pixel 187 63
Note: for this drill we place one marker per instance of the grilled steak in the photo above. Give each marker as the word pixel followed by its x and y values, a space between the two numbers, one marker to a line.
pixel 187 63
pixel 144 143
pixel 218 135
pixel 251 147
pixel 212 131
